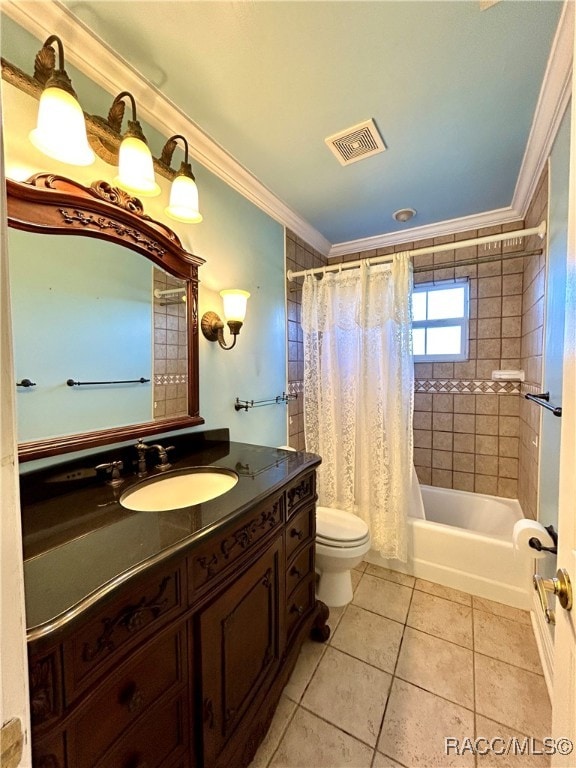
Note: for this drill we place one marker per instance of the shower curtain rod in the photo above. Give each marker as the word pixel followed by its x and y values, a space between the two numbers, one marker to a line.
pixel 539 230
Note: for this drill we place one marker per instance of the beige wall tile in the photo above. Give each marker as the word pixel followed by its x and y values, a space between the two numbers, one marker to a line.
pixel 464 403
pixel 486 484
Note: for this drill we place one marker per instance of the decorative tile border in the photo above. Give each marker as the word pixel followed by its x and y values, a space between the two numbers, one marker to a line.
pixel 295 387
pixel 170 378
pixel 463 387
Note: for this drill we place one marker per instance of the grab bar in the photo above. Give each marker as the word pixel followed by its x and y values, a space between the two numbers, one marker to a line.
pixel 285 397
pixel 72 383
pixel 542 399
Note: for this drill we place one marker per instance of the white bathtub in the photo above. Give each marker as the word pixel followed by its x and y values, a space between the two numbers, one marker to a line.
pixel 466 543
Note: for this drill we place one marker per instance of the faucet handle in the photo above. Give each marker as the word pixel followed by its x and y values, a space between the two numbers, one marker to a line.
pixel 112 467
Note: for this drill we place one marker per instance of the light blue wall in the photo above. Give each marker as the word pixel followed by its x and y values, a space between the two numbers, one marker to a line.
pixel 243 248
pixel 554 325
pixel 82 309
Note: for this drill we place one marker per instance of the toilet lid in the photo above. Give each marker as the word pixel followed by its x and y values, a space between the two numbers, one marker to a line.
pixel 335 525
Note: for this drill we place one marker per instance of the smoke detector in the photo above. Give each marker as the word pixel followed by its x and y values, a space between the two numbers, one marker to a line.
pixel 356 143
pixel 404 214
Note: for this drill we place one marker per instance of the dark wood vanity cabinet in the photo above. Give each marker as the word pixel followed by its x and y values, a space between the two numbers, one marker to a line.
pixel 182 667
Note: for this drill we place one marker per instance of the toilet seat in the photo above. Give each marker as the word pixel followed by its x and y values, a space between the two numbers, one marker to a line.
pixel 336 528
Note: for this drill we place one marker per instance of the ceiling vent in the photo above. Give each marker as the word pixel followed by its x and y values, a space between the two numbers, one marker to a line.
pixel 356 143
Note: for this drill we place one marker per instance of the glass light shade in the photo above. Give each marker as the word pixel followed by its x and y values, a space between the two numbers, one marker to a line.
pixel 234 304
pixel 61 129
pixel 183 204
pixel 136 168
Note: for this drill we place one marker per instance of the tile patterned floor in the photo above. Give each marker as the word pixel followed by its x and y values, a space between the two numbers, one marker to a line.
pixel 408 664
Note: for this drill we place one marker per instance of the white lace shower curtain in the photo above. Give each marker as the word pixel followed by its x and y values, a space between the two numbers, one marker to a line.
pixel 359 393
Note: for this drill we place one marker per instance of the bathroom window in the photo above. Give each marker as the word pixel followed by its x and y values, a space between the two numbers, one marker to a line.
pixel 440 321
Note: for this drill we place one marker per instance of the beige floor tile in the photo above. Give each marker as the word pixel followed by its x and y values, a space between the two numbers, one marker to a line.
pixel 383 597
pixel 389 575
pixel 499 609
pixel 382 761
pixel 309 742
pixel 507 738
pixel 416 726
pixel 282 717
pixel 356 576
pixel 442 618
pixel 349 694
pixel 308 660
pixel 446 592
pixel 336 617
pixel 438 666
pixel 361 566
pixel 369 637
pixel 512 696
pixel 506 640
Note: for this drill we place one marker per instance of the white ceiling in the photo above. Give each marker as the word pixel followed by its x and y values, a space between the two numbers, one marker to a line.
pixel 453 91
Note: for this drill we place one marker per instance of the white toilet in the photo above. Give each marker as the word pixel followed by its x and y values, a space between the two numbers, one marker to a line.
pixel 342 540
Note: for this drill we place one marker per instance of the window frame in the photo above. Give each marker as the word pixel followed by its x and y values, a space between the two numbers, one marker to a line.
pixel 463 322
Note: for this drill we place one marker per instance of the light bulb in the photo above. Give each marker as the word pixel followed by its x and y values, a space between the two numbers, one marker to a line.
pixel 234 301
pixel 183 204
pixel 136 168
pixel 61 129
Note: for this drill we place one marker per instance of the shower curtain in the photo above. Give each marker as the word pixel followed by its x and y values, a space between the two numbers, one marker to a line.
pixel 359 393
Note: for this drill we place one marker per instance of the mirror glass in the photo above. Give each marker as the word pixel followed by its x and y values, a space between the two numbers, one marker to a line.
pixel 87 310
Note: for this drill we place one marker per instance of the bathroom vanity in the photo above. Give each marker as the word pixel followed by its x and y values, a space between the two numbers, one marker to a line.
pixel 166 638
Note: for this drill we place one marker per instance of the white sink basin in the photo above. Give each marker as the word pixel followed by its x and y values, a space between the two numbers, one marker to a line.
pixel 179 488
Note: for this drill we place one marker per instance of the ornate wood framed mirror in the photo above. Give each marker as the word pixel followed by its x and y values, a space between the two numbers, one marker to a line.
pixel 48 205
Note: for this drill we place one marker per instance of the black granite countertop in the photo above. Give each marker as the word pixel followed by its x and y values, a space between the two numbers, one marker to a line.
pixel 79 541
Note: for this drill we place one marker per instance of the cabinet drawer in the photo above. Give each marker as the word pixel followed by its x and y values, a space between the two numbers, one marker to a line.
pixel 153 672
pixel 212 558
pixel 299 568
pixel 299 530
pixel 300 603
pixel 102 641
pixel 302 491
pixel 156 740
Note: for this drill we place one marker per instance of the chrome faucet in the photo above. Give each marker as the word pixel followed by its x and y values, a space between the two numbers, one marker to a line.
pixel 142 448
pixel 163 456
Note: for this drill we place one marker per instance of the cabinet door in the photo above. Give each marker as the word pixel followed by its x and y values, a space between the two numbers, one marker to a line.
pixel 240 641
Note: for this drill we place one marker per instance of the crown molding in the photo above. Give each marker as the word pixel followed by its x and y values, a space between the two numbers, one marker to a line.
pixel 552 103
pixel 440 228
pixel 107 69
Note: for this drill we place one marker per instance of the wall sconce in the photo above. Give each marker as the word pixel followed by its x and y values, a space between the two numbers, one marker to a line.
pixel 234 311
pixel 183 205
pixel 135 164
pixel 60 128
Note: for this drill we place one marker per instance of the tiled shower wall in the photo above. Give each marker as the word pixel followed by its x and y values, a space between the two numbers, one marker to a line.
pixel 533 310
pixel 470 433
pixel 299 255
pixel 170 349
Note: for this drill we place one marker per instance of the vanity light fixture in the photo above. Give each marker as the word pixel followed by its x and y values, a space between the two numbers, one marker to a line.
pixel 234 301
pixel 183 205
pixel 135 164
pixel 60 128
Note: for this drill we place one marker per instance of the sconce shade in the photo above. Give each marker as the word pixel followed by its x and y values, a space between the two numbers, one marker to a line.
pixel 183 204
pixel 234 305
pixel 61 129
pixel 136 168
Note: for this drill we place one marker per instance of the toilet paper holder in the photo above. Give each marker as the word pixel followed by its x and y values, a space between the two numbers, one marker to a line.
pixel 536 544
